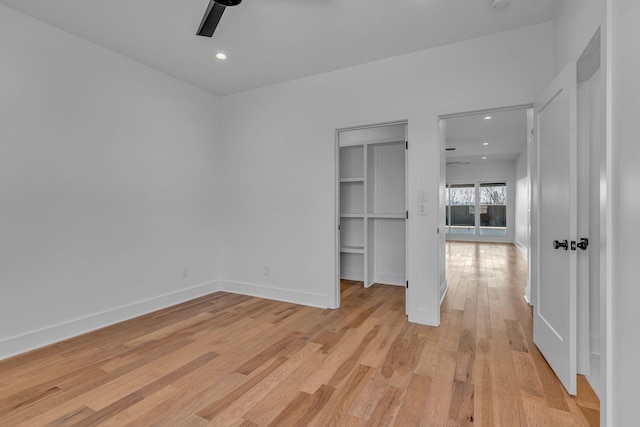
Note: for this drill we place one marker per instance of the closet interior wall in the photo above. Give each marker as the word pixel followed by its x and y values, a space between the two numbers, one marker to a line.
pixel 372 164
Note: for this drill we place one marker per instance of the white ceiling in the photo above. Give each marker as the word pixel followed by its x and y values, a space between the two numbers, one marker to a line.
pixel 271 41
pixel 506 134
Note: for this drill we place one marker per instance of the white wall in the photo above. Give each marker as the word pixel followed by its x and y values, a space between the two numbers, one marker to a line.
pixel 107 186
pixel 575 23
pixel 280 162
pixel 113 176
pixel 625 205
pixel 460 174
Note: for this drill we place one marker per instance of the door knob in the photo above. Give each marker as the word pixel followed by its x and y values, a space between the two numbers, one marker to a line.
pixel 583 243
pixel 564 244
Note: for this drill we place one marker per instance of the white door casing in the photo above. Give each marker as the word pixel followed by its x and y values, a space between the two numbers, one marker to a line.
pixel 555 312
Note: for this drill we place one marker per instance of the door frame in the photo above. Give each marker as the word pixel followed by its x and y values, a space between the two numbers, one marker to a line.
pixel 443 182
pixel 334 299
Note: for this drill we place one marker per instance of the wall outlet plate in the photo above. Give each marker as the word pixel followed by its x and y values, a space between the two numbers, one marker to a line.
pixel 422 208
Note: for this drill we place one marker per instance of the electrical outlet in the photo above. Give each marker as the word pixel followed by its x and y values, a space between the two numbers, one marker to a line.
pixel 185 272
pixel 267 270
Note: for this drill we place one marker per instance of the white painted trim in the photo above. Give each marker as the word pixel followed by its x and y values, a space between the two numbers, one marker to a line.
pixel 275 293
pixel 444 293
pixel 606 286
pixel 424 317
pixel 486 111
pixel 412 172
pixel 522 248
pixel 478 239
pixel 335 289
pixel 52 334
pixel 595 376
pixel 390 279
pixel 530 181
pixel 352 275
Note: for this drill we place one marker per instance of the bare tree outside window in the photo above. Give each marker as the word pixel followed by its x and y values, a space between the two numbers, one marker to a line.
pixel 462 195
pixel 461 205
pixel 493 209
pixel 493 194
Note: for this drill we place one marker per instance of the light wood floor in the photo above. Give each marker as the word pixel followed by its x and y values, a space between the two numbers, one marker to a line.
pixel 233 360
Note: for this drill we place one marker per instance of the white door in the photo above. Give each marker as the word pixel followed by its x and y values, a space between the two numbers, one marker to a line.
pixel 554 324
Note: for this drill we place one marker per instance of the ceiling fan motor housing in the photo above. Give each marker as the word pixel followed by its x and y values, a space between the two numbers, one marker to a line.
pixel 228 2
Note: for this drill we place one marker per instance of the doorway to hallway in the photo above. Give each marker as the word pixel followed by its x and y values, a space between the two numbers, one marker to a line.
pixel 490 326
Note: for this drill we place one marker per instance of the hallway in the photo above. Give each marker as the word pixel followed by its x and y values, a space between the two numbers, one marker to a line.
pixel 489 326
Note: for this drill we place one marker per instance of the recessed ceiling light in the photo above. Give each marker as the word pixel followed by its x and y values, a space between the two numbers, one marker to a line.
pixel 484 157
pixel 499 4
pixel 221 56
pixel 488 118
pixel 485 143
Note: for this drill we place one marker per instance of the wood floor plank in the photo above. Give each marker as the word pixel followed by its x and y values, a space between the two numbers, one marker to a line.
pixel 461 408
pixel 142 407
pixel 265 387
pixel 527 375
pixel 437 407
pixel 413 405
pixel 303 408
pixel 335 414
pixel 267 408
pixel 72 418
pixel 213 409
pixel 235 360
pixel 387 408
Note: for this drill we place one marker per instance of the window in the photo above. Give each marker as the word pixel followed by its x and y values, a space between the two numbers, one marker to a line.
pixel 493 209
pixel 477 209
pixel 461 209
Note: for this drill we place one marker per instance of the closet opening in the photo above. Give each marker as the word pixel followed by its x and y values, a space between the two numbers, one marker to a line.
pixel 372 204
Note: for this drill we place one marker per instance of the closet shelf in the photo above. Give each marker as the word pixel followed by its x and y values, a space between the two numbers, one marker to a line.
pixel 352 179
pixel 351 215
pixel 400 215
pixel 347 249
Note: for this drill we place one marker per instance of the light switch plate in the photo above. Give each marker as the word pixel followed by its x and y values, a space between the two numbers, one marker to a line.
pixel 422 196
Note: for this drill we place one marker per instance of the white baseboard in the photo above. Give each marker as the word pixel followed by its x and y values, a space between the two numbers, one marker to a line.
pixel 390 279
pixel 428 317
pixel 595 377
pixel 352 275
pixel 522 247
pixel 35 339
pixel 443 293
pixel 274 293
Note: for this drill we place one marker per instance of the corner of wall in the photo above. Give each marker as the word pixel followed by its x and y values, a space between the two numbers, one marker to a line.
pixel 273 293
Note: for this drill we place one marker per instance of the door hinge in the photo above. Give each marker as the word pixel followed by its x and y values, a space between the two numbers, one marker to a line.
pixel 406 145
pixel 407 284
pixel 338 227
pixel 407 214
